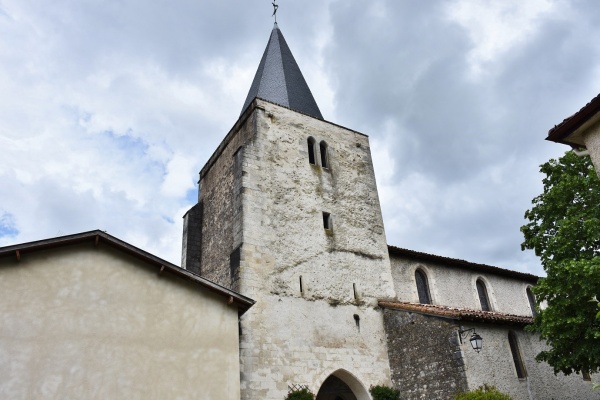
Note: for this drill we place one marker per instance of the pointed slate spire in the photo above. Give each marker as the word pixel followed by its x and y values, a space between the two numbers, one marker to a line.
pixel 279 80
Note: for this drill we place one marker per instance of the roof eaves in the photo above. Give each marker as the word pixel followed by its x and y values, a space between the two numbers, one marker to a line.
pixel 393 250
pixel 97 236
pixel 462 314
pixel 569 125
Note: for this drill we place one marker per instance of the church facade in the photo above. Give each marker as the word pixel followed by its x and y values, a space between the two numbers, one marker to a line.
pixel 288 214
pixel 287 281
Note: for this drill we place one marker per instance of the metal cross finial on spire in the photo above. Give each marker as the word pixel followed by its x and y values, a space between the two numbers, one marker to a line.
pixel 275 7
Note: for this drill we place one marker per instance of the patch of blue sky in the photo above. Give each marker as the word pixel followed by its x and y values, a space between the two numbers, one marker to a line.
pixel 133 147
pixel 8 225
pixel 129 147
pixel 77 114
pixel 3 13
pixel 128 143
pixel 192 196
pixel 168 219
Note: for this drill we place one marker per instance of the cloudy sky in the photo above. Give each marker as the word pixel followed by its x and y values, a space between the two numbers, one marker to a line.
pixel 108 109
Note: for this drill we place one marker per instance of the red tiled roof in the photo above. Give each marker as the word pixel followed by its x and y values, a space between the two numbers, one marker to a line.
pixel 464 314
pixel 455 262
pixel 560 132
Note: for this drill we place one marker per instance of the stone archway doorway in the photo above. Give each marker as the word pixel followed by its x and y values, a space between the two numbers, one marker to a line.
pixel 335 389
pixel 341 385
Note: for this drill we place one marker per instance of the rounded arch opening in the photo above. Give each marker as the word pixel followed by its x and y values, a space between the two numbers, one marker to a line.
pixel 482 294
pixel 323 149
pixel 311 142
pixel 422 285
pixel 342 385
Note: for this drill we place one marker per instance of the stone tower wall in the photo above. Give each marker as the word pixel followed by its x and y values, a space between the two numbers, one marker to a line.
pixel 284 198
pixel 191 250
pixel 295 336
pixel 212 228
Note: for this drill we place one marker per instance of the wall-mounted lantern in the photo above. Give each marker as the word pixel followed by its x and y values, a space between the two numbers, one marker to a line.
pixel 476 340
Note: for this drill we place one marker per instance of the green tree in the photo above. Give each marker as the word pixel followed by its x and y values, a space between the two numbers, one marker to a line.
pixel 564 231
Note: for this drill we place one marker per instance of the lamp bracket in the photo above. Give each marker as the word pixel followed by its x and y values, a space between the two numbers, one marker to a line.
pixel 462 333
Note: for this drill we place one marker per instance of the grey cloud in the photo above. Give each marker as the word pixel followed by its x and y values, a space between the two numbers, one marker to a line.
pixel 400 76
pixel 409 69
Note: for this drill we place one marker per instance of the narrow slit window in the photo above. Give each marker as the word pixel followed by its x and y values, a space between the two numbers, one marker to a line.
pixel 324 156
pixel 311 151
pixel 531 299
pixel 357 321
pixel 483 296
pixel 301 285
pixel 422 287
pixel 354 291
pixel 327 221
pixel 516 354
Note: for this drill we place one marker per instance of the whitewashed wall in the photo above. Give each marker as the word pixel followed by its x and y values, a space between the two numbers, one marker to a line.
pixel 455 287
pixel 80 322
pixel 591 139
pixel 494 365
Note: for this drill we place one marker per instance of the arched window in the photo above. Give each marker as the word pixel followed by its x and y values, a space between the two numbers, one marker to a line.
pixel 531 299
pixel 516 355
pixel 311 151
pixel 324 155
pixel 422 287
pixel 483 296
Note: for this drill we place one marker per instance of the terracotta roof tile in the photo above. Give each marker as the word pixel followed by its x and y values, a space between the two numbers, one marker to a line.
pixel 465 314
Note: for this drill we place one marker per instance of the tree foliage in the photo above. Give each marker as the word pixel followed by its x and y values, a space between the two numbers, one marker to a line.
pixel 484 392
pixel 382 392
pixel 564 231
pixel 301 394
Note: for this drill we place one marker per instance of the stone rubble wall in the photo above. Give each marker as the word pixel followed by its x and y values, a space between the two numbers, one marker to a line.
pixel 219 205
pixel 426 358
pixel 191 251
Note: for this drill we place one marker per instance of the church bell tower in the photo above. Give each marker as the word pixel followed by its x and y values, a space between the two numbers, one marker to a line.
pixel 288 214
